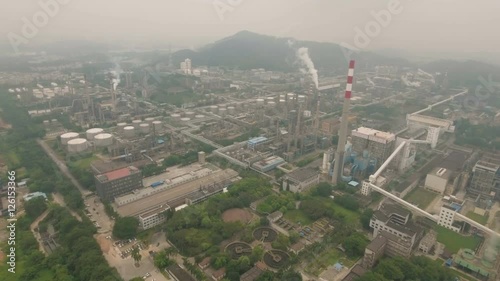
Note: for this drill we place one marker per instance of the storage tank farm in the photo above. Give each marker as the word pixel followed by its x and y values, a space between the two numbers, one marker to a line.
pixel 66 137
pixel 91 133
pixel 103 140
pixel 77 145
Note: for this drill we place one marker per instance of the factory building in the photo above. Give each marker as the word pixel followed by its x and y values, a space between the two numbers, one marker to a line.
pixel 437 180
pixel 393 222
pixel 252 144
pixel 372 143
pixel 486 178
pixel 118 182
pixel 153 218
pixel 301 180
pixel 180 186
pixel 266 165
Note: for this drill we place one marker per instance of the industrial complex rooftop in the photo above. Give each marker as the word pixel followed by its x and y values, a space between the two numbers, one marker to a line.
pixel 373 134
pixel 164 197
pixel 116 174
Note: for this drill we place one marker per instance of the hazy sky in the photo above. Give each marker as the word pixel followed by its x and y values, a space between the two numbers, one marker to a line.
pixel 427 25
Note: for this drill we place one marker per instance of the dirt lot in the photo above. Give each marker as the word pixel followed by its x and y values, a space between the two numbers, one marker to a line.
pixel 234 215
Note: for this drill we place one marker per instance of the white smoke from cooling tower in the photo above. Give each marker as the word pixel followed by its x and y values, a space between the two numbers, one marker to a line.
pixel 303 55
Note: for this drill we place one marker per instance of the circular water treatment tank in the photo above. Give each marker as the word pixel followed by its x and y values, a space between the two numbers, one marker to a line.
pixel 190 114
pixel 77 145
pixel 260 101
pixel 185 119
pixel 104 139
pixel 175 116
pixel 199 116
pixel 149 120
pixel 93 132
pixel 66 137
pixel 231 110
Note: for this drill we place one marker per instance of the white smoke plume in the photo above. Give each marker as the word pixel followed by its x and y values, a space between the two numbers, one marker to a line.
pixel 116 71
pixel 303 55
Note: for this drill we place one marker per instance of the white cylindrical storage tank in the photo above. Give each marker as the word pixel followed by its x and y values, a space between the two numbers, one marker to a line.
pixel 149 120
pixel 270 99
pixel 54 120
pixel 136 123
pixel 185 119
pixel 144 128
pixel 199 116
pixel 282 101
pixel 91 133
pixel 213 108
pixel 120 126
pixel 260 101
pixel 66 137
pixel 231 110
pixel 302 98
pixel 129 131
pixel 271 104
pixel 77 145
pixel 190 114
pixel 175 116
pixel 46 122
pixel 102 140
pixel 157 125
pixel 222 111
pixel 282 97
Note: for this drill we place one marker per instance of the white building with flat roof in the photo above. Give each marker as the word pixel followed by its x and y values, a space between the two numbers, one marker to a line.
pixel 437 180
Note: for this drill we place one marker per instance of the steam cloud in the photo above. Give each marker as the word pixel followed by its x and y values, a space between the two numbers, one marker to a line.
pixel 117 71
pixel 303 55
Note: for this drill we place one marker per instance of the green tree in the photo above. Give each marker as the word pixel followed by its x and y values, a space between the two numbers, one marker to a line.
pixel 35 207
pixel 136 255
pixel 355 244
pixel 323 189
pixel 365 218
pixel 125 228
pixel 389 270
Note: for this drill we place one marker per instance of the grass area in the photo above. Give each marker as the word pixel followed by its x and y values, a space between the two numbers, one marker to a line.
pixel 454 241
pixel 297 216
pixel 464 276
pixel 351 217
pixel 420 197
pixel 6 275
pixel 327 258
pixel 12 158
pixel 84 163
pixel 478 218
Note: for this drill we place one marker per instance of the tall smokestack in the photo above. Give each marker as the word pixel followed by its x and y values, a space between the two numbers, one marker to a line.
pixel 339 154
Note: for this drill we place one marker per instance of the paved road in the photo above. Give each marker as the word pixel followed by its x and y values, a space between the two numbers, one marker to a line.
pixel 62 166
